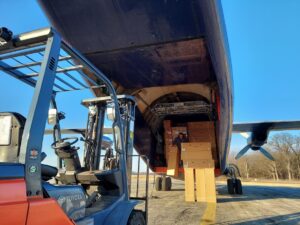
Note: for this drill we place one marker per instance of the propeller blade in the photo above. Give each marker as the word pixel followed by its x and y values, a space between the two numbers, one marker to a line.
pixel 242 152
pixel 245 135
pixel 267 154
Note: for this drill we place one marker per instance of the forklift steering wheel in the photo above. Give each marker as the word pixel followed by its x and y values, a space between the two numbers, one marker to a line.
pixel 63 144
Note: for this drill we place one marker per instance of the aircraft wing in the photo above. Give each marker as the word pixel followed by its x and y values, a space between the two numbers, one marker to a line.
pixel 269 125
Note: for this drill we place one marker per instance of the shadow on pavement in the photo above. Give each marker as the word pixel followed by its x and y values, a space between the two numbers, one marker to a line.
pixel 251 193
pixel 289 219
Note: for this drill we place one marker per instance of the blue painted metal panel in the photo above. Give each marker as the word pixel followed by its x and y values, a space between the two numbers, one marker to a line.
pixel 121 213
pixel 115 214
pixel 11 171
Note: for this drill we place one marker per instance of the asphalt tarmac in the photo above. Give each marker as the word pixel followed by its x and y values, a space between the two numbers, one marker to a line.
pixel 261 203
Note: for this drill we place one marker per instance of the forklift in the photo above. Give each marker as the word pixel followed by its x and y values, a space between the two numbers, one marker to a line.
pixel 77 191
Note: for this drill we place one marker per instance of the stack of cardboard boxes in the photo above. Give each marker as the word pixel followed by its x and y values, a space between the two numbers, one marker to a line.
pixel 168 133
pixel 203 132
pixel 171 152
pixel 199 169
pixel 198 155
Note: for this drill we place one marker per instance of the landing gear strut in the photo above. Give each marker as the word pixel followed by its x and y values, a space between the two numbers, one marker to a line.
pixel 163 183
pixel 234 185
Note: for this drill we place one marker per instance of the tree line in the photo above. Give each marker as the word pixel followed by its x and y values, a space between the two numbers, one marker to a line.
pixel 285 149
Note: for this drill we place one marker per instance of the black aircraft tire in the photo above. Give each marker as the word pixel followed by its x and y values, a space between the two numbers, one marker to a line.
pixel 164 183
pixel 158 183
pixel 230 186
pixel 168 184
pixel 136 218
pixel 238 187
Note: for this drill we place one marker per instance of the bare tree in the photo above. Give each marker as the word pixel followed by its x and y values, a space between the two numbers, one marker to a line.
pixel 296 150
pixel 283 143
pixel 284 147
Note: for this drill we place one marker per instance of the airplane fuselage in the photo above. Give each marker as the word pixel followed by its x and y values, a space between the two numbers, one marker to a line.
pixel 161 52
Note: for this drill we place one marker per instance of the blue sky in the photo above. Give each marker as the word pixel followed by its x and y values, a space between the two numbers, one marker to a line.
pixel 264 45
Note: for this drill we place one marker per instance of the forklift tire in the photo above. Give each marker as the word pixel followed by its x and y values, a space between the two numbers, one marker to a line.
pixel 158 183
pixel 136 218
pixel 230 186
pixel 238 187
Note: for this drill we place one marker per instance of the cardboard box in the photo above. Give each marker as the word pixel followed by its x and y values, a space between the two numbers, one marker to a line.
pixel 195 146
pixel 213 147
pixel 200 163
pixel 200 185
pixel 196 155
pixel 210 185
pixel 172 169
pixel 168 133
pixel 196 150
pixel 201 131
pixel 167 124
pixel 189 184
pixel 168 141
pixel 170 149
pixel 205 185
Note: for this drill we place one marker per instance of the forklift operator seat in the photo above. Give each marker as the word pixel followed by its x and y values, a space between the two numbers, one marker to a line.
pixel 11 131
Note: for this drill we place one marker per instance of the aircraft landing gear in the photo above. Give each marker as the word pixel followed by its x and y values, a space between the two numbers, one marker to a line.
pixel 158 183
pixel 234 185
pixel 163 183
